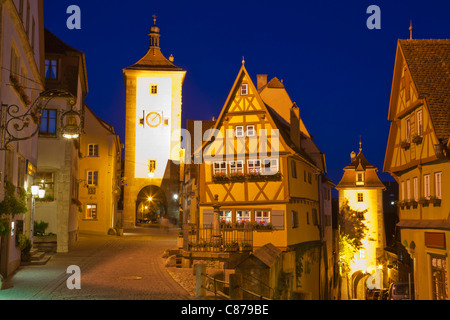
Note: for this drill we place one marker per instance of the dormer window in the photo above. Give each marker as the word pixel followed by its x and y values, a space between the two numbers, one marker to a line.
pixel 154 89
pixel 244 89
pixel 360 178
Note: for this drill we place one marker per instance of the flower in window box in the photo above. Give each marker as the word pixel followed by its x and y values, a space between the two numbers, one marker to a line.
pixel 237 176
pixel 255 175
pixel 424 201
pixel 417 139
pixel 435 200
pixel 220 177
pixel 245 247
pixel 405 144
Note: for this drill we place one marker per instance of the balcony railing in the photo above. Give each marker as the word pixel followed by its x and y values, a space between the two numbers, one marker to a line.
pixel 229 239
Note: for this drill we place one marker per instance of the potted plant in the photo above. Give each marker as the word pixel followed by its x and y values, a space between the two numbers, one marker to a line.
pixel 24 245
pixel 232 246
pixel 119 228
pixel 405 144
pixel 435 201
pixel 246 247
pixel 417 139
pixel 424 201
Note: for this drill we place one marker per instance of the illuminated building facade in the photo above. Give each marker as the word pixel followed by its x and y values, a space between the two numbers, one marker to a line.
pixel 57 172
pixel 266 171
pixel 417 156
pixel 153 129
pixel 363 189
pixel 99 173
pixel 22 80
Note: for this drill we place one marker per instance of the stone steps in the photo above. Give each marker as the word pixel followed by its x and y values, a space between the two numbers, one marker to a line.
pixel 38 258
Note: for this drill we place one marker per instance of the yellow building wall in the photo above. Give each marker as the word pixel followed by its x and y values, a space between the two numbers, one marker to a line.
pixel 107 164
pixel 373 203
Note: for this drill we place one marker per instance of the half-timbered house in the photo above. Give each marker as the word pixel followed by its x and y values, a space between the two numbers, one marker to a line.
pixel 417 157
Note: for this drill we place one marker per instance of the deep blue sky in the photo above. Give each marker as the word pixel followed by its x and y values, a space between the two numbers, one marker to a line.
pixel 337 70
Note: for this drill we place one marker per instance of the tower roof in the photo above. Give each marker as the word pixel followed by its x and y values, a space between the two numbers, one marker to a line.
pixel 154 59
pixel 360 164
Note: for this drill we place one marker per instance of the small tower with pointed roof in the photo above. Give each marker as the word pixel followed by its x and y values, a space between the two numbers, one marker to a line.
pixel 363 189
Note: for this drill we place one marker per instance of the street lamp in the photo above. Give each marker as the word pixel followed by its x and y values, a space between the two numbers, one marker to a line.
pixel 14 122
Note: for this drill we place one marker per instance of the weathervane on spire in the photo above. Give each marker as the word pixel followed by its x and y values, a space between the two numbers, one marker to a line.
pixel 154 19
pixel 243 60
pixel 360 144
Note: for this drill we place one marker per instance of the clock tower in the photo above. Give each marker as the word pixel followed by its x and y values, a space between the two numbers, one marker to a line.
pixel 153 127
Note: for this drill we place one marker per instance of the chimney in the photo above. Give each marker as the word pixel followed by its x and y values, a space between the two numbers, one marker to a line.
pixel 295 126
pixel 261 80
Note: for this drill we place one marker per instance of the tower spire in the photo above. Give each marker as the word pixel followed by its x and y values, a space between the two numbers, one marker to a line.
pixel 410 30
pixel 154 34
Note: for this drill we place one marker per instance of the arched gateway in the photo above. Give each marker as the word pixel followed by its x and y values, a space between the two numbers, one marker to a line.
pixel 151 205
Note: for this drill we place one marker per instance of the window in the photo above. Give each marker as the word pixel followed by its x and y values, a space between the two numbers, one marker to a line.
pixel 220 167
pixel 14 64
pixel 438 185
pixel 92 178
pixel 93 150
pixel 416 188
pixel 21 171
pixel 251 132
pixel 48 123
pixel 294 169
pixel 309 178
pixel 360 197
pixel 360 178
pixel 237 166
pixel 304 175
pixel 294 219
pixel 426 186
pixel 243 216
pixel 362 253
pixel 315 217
pixel 270 166
pixel 408 130
pixel 419 123
pixel 225 216
pixel 166 122
pixel 46 181
pixel 408 189
pixel 262 216
pixel 307 217
pixel 244 89
pixel 154 89
pixel 151 166
pixel 91 211
pixel 439 277
pixel 403 190
pixel 254 166
pixel 239 132
pixel 51 69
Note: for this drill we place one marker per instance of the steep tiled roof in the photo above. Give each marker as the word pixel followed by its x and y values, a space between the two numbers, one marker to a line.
pixel 429 65
pixel 360 163
pixel 154 60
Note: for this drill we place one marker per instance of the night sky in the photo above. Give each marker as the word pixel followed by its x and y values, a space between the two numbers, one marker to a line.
pixel 337 70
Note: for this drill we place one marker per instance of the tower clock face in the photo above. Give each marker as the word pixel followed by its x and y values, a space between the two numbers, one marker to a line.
pixel 153 119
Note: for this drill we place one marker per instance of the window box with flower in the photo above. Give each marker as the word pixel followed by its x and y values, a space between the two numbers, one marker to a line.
pixel 417 139
pixel 220 178
pixel 19 89
pixel 405 144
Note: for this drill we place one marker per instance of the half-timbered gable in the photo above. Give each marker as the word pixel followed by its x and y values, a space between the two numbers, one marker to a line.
pixel 417 157
pixel 258 165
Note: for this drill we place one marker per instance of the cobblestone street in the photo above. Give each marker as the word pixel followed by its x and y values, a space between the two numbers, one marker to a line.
pixel 112 268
